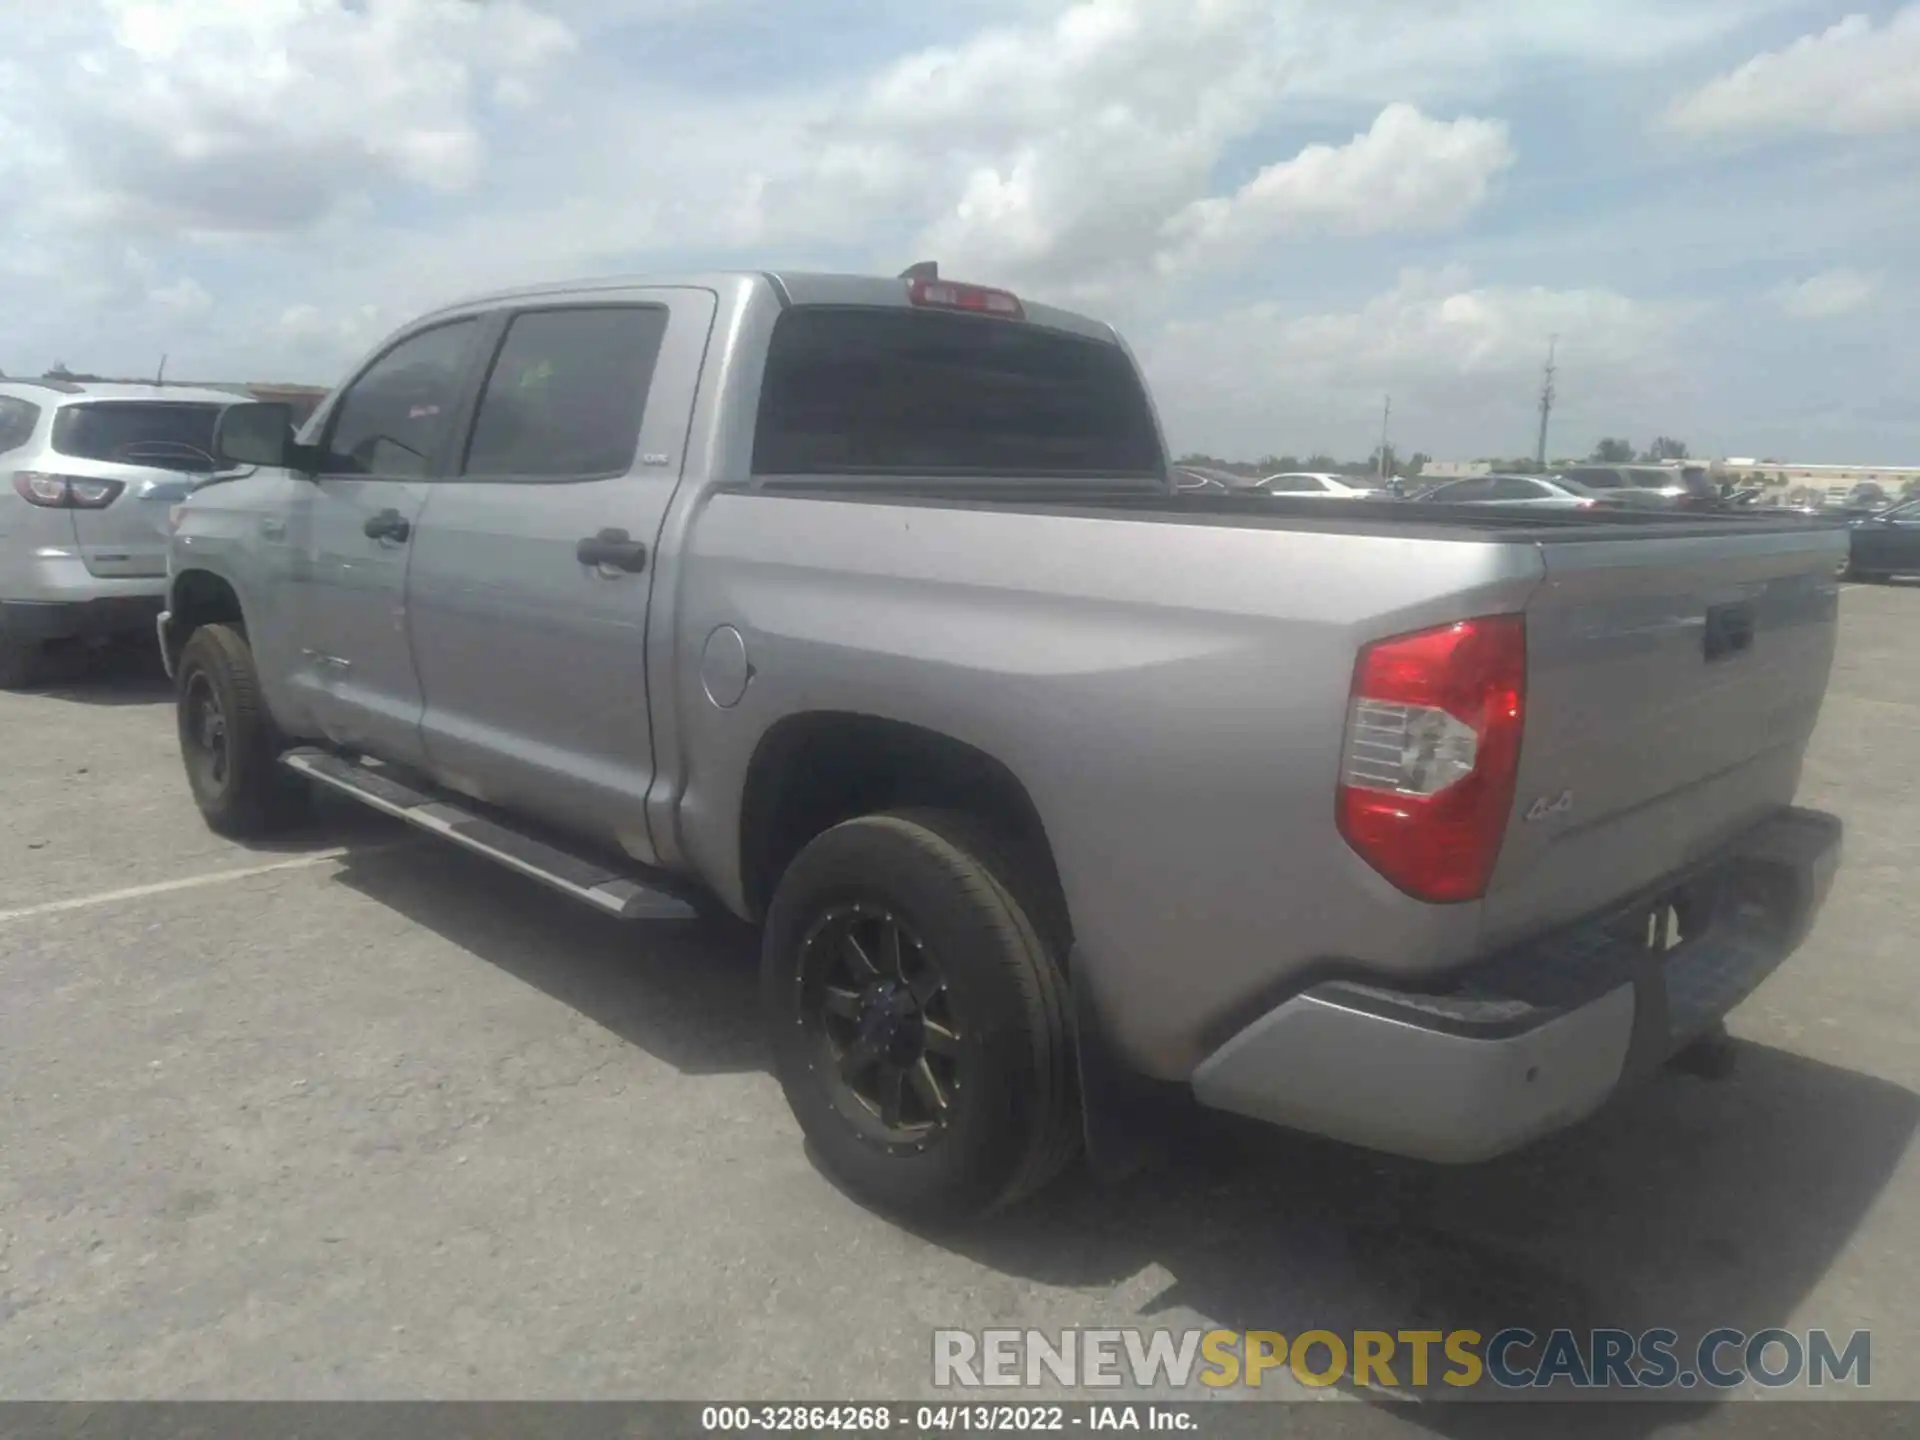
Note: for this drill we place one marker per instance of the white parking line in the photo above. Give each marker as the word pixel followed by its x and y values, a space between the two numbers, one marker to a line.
pixel 193 882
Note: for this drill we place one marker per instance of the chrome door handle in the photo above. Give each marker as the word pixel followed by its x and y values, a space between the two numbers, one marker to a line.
pixel 388 525
pixel 612 550
pixel 274 529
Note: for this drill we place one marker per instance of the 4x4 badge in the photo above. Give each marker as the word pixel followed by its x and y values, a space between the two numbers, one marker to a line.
pixel 1550 805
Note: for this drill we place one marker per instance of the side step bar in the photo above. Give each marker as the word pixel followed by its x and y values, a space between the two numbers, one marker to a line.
pixel 618 895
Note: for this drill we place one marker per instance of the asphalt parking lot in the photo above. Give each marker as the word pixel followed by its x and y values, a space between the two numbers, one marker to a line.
pixel 360 1116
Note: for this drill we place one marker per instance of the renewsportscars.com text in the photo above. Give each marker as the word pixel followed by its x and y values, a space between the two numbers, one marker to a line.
pixel 1510 1359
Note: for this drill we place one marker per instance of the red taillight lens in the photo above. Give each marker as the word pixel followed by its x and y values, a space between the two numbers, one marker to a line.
pixel 947 295
pixel 1432 751
pixel 65 492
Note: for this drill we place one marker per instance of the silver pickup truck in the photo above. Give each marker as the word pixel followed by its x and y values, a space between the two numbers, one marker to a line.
pixel 866 609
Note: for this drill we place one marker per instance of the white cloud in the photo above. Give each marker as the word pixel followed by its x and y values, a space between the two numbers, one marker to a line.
pixel 1461 361
pixel 1407 172
pixel 1432 53
pixel 257 116
pixel 183 299
pixel 1049 152
pixel 1827 295
pixel 337 333
pixel 1070 154
pixel 1854 78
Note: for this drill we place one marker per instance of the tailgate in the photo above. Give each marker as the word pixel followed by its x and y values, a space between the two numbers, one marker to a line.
pixel 1673 683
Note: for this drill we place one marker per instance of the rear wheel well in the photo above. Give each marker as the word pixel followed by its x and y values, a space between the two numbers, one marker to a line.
pixel 199 598
pixel 813 771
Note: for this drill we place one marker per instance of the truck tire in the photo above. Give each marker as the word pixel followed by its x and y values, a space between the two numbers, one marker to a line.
pixel 228 740
pixel 933 1078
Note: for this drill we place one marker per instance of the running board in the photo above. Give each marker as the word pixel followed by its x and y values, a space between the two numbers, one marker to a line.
pixel 612 894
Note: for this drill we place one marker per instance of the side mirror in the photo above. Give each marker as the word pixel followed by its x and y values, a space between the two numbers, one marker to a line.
pixel 258 433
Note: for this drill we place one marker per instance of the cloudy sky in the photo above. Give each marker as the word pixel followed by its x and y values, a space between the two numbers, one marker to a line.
pixel 1293 207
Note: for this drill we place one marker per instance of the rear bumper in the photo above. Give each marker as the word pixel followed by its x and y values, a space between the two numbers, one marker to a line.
pixel 40 620
pixel 1538 1038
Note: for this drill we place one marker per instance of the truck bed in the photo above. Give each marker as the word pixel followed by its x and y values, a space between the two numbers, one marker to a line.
pixel 1093 499
pixel 1169 676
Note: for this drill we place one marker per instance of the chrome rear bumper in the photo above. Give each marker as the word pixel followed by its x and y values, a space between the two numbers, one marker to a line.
pixel 1538 1038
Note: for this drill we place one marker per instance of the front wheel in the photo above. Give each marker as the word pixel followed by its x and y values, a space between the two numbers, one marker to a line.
pixel 228 740
pixel 918 1021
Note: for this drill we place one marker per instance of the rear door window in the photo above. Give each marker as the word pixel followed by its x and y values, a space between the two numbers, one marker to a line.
pixel 567 393
pixel 1294 485
pixel 168 435
pixel 865 391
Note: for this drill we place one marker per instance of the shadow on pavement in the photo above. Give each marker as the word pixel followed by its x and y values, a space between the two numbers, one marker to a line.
pixel 125 672
pixel 1691 1205
pixel 686 992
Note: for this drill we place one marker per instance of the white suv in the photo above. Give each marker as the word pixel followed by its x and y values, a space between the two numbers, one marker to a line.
pixel 88 473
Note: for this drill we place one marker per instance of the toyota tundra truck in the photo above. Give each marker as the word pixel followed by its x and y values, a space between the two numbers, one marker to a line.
pixel 867 610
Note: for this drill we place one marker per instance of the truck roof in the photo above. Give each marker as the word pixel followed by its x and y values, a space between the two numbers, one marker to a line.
pixel 793 287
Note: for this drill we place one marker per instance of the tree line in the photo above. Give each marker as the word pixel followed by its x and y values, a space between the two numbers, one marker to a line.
pixel 1608 451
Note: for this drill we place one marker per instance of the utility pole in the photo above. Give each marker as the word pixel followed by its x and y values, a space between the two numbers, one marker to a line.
pixel 1386 418
pixel 161 378
pixel 1546 402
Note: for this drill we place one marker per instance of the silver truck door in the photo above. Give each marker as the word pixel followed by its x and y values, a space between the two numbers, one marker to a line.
pixel 350 533
pixel 532 563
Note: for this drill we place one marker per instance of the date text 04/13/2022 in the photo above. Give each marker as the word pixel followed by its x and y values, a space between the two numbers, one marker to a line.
pixel 942 1418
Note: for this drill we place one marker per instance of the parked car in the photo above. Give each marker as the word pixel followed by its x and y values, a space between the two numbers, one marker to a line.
pixel 1868 496
pixel 1648 487
pixel 1188 479
pixel 1317 483
pixel 866 609
pixel 1537 491
pixel 91 471
pixel 1886 544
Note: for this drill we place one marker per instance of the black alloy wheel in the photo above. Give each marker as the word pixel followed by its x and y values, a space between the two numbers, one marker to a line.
pixel 878 1006
pixel 917 1017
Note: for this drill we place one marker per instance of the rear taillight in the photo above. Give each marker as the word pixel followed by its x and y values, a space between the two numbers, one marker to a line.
pixel 1432 750
pixel 978 299
pixel 65 492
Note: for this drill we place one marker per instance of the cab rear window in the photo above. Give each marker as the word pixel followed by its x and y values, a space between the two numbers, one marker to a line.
pixel 865 391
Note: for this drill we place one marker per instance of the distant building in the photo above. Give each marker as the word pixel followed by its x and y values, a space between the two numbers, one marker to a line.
pixel 1891 478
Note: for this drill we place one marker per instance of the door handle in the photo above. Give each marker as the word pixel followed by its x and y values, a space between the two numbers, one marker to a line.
pixel 387 525
pixel 273 529
pixel 612 550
